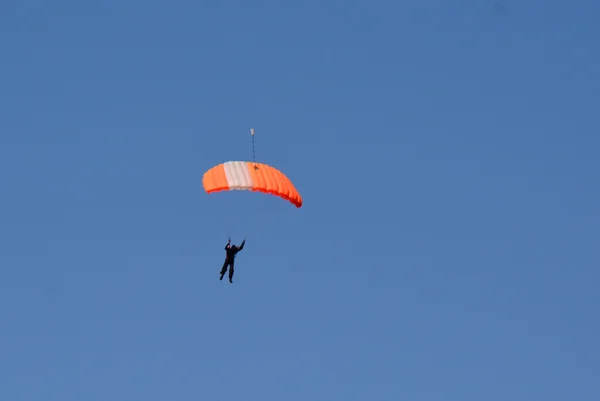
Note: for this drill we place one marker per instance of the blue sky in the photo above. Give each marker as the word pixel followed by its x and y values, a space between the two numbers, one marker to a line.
pixel 446 154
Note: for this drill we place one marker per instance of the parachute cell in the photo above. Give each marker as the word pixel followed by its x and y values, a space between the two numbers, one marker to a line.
pixel 249 176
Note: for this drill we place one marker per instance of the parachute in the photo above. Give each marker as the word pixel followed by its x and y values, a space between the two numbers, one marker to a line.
pixel 250 176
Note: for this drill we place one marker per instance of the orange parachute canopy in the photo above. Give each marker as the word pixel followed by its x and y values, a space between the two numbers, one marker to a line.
pixel 249 176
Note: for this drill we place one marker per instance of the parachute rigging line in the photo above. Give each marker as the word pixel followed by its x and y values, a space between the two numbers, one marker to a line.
pixel 253 151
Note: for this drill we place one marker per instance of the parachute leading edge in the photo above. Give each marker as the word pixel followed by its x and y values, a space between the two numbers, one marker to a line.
pixel 249 176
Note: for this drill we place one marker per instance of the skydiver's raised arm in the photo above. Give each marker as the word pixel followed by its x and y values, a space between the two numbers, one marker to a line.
pixel 242 245
pixel 228 243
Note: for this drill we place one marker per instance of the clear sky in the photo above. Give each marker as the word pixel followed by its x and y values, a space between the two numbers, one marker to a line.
pixel 447 154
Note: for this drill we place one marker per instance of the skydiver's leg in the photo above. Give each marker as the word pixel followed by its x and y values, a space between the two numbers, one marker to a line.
pixel 231 272
pixel 224 269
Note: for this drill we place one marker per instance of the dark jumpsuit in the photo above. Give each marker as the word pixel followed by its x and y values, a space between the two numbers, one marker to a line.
pixel 231 252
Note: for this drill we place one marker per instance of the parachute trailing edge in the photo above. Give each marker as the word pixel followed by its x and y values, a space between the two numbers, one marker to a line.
pixel 250 176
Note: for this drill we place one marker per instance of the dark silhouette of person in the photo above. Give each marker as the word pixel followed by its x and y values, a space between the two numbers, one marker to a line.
pixel 230 254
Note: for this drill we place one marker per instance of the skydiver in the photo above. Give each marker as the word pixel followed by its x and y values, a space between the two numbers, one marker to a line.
pixel 230 254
